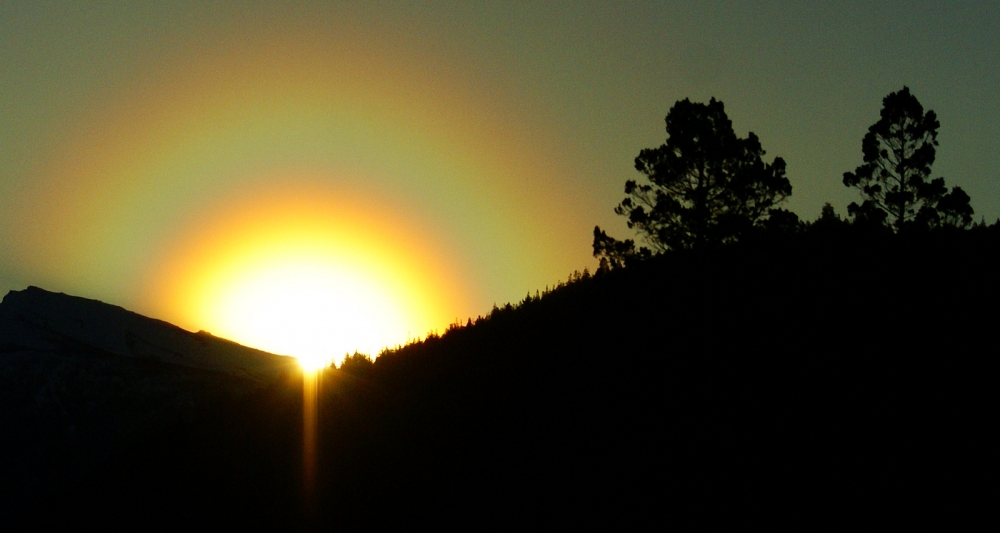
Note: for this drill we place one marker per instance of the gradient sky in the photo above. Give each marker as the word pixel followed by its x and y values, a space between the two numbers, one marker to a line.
pixel 147 149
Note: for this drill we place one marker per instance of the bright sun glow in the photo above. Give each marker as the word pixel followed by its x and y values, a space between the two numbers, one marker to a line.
pixel 309 274
pixel 308 307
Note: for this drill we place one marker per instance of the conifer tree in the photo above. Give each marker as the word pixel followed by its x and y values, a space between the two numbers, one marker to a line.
pixel 705 186
pixel 894 179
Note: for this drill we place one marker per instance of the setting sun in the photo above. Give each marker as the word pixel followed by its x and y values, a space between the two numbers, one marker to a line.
pixel 307 275
pixel 309 307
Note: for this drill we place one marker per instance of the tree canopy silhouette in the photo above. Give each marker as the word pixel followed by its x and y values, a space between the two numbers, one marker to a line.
pixel 705 185
pixel 894 181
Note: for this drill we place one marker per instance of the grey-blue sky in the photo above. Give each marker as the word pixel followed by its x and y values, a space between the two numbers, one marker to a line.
pixel 806 77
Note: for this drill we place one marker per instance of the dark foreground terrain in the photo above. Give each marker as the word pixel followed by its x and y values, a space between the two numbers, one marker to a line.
pixel 794 383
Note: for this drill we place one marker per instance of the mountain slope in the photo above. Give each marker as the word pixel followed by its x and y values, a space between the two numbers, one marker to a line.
pixel 38 319
pixel 725 386
pixel 81 381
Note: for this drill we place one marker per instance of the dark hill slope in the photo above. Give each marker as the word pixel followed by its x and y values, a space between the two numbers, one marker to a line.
pixel 825 377
pixel 82 382
pixel 820 374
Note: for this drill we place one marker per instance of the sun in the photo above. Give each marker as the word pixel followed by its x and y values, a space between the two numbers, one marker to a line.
pixel 312 275
pixel 311 307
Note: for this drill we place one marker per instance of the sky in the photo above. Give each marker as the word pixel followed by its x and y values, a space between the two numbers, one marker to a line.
pixel 402 165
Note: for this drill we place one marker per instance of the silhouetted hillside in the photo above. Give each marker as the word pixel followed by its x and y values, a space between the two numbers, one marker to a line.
pixel 36 319
pixel 82 381
pixel 827 373
pixel 832 375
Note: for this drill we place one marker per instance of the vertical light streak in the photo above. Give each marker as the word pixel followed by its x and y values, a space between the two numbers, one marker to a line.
pixel 310 395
